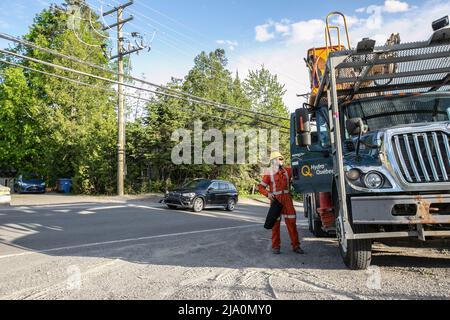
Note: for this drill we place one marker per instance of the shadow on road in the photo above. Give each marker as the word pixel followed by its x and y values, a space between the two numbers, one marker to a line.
pixel 397 260
pixel 145 234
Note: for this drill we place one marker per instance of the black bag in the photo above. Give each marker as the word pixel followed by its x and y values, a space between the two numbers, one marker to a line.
pixel 273 215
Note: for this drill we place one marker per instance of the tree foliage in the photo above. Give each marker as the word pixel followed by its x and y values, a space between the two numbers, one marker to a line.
pixel 59 129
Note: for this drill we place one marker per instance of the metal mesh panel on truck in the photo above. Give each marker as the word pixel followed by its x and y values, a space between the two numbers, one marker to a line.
pixel 399 69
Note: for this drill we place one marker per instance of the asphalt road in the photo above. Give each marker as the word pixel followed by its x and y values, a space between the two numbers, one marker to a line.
pixel 141 250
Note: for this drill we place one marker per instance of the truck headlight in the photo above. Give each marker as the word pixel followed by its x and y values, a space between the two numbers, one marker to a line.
pixel 373 180
pixel 353 174
pixel 188 195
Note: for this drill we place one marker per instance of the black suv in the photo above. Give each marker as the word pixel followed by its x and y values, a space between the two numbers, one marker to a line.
pixel 202 194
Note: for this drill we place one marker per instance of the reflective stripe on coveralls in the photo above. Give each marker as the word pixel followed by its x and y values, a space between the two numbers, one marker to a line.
pixel 274 187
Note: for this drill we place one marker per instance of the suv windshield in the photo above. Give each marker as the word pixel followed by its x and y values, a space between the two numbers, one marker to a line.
pixel 386 112
pixel 197 184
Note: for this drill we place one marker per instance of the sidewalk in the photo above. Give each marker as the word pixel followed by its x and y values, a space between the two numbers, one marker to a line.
pixel 55 199
pixel 265 201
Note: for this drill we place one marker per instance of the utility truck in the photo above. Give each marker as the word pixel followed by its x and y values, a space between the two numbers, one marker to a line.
pixel 370 151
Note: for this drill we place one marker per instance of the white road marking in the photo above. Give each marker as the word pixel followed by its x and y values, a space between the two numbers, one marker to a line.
pixel 147 207
pixel 126 240
pixel 86 212
pixel 50 206
pixel 107 208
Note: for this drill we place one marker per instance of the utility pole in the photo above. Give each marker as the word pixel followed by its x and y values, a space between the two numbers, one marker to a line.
pixel 121 53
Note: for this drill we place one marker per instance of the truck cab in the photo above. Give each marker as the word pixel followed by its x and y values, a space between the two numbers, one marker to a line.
pixel 313 165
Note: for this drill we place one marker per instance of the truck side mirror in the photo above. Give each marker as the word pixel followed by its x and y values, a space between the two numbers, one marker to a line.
pixel 355 126
pixel 303 127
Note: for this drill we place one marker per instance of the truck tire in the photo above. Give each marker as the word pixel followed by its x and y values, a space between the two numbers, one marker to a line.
pixel 317 229
pixel 315 226
pixel 357 254
pixel 307 210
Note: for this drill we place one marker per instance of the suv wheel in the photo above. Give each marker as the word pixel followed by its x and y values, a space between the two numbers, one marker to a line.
pixel 231 205
pixel 198 205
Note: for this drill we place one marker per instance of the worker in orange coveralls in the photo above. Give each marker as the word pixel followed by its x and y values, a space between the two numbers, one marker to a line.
pixel 278 180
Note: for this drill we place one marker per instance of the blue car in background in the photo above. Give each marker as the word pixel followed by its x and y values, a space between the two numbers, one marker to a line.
pixel 29 183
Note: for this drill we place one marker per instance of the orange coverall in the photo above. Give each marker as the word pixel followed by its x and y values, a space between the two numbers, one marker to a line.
pixel 279 186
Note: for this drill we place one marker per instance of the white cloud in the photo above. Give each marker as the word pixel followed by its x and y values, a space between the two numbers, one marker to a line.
pixel 231 44
pixel 375 21
pixel 394 6
pixel 389 6
pixel 271 29
pixel 351 21
pixel 307 31
pixel 263 34
pixel 283 27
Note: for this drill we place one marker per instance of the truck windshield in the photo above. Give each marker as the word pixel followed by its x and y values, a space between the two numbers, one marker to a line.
pixel 386 112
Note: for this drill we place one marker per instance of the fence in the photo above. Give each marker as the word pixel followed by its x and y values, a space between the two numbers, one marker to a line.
pixel 7 182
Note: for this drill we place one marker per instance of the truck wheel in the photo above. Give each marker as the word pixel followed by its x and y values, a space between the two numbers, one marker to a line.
pixel 357 254
pixel 315 226
pixel 307 210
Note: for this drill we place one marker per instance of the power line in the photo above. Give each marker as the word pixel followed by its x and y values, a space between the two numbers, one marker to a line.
pixel 110 90
pixel 291 79
pixel 161 24
pixel 169 18
pixel 132 86
pixel 74 59
pixel 169 38
pixel 187 37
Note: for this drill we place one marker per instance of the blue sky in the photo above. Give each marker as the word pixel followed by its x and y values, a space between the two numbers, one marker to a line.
pixel 254 32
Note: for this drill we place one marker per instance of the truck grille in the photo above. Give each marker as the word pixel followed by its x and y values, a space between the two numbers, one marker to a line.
pixel 423 157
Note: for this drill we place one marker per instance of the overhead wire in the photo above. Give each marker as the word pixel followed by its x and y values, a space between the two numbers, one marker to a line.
pixel 160 86
pixel 168 37
pixel 74 59
pixel 291 78
pixel 110 90
pixel 17 55
pixel 169 18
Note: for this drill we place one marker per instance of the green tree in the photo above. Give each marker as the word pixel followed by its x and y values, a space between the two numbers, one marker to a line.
pixel 266 94
pixel 76 137
pixel 20 115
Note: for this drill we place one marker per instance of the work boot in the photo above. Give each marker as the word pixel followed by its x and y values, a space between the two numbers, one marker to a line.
pixel 299 251
pixel 276 251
